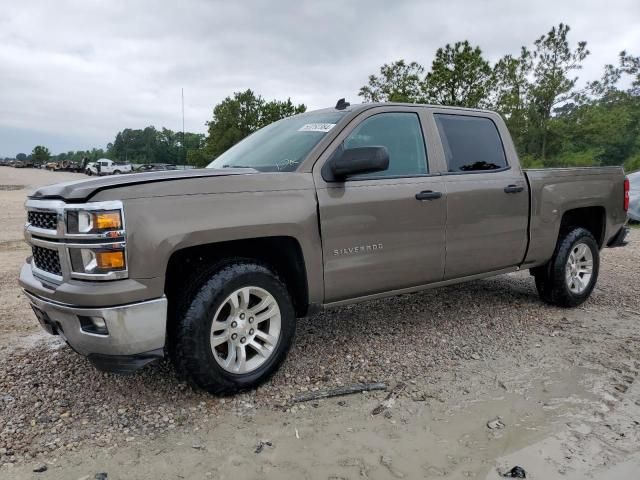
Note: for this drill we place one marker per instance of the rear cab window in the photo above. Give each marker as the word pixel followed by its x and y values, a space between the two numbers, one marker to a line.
pixel 470 143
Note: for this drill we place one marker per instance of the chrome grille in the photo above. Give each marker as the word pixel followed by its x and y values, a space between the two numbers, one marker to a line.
pixel 47 220
pixel 47 260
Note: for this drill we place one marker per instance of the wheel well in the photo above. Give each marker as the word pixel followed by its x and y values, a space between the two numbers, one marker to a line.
pixel 590 218
pixel 283 255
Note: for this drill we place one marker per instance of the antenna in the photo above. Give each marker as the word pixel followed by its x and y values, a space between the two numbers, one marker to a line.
pixel 342 104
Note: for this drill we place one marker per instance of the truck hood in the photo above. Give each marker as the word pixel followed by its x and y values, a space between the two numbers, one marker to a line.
pixel 83 190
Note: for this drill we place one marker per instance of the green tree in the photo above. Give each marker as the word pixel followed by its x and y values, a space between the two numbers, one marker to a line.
pixel 40 154
pixel 510 92
pixel 603 119
pixel 397 82
pixel 239 116
pixel 198 157
pixel 630 65
pixel 553 62
pixel 459 76
pixel 194 148
pixel 275 110
pixel 21 157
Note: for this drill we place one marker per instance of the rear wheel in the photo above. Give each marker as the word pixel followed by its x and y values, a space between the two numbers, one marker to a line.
pixel 234 329
pixel 571 274
pixel 116 172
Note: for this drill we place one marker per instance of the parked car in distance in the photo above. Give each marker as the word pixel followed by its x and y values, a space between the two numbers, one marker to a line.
pixel 211 267
pixel 63 166
pixel 104 166
pixel 634 196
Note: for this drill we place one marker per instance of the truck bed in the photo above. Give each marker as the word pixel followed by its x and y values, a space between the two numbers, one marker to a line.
pixel 553 191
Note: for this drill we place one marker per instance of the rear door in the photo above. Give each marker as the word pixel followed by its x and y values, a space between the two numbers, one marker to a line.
pixel 487 198
pixel 376 235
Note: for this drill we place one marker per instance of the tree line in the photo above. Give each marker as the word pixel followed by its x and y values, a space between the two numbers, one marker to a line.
pixel 147 145
pixel 554 119
pixel 234 118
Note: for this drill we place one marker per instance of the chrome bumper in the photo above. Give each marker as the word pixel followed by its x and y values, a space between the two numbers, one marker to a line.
pixel 133 329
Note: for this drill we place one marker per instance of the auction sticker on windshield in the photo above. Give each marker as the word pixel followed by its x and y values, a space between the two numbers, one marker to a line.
pixel 316 127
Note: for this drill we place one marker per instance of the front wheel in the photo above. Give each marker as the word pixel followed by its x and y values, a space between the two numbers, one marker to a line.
pixel 568 279
pixel 235 328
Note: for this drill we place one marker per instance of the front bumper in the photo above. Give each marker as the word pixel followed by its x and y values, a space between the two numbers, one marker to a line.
pixel 136 331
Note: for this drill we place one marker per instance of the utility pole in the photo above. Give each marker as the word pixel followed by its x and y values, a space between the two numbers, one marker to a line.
pixel 184 150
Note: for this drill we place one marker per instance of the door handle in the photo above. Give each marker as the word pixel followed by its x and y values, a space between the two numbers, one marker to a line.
pixel 428 195
pixel 513 189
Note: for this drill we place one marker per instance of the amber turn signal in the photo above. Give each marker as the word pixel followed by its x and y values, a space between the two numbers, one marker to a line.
pixel 107 220
pixel 110 260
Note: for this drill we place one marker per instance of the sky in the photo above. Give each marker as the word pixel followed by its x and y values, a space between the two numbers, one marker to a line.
pixel 75 72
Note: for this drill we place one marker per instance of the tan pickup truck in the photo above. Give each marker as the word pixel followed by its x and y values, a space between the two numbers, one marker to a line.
pixel 212 267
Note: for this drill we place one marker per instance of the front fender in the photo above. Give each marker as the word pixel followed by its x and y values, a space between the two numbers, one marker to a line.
pixel 160 226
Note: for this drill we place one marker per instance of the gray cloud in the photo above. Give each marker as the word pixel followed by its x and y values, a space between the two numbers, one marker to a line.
pixel 75 72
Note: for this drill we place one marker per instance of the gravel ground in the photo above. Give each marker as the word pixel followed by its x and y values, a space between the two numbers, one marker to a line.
pixel 52 400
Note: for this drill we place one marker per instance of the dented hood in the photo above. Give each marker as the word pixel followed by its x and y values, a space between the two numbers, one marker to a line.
pixel 83 190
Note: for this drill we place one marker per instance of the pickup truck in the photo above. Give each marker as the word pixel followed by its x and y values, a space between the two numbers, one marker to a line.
pixel 211 267
pixel 104 166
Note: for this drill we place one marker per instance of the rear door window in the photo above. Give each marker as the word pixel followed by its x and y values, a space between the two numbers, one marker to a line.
pixel 470 143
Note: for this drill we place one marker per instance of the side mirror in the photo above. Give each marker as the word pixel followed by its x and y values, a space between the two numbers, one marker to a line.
pixel 355 161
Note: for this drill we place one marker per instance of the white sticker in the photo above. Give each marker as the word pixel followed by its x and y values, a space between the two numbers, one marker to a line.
pixel 316 127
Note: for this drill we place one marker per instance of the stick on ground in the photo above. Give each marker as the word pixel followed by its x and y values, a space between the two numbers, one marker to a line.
pixel 337 392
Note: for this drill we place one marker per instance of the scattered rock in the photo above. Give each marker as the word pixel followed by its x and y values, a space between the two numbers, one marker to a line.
pixel 40 468
pixel 261 446
pixel 515 472
pixel 419 397
pixel 387 462
pixel 495 424
pixel 101 476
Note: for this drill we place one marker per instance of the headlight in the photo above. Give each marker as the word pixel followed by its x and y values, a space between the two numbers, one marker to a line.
pixel 97 260
pixel 93 221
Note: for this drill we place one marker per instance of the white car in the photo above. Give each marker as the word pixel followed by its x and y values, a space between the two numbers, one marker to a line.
pixel 104 166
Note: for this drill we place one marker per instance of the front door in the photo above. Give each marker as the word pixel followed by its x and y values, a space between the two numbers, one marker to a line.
pixel 378 232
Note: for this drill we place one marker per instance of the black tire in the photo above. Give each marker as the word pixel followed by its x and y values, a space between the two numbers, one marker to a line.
pixel 190 347
pixel 89 172
pixel 550 278
pixel 116 172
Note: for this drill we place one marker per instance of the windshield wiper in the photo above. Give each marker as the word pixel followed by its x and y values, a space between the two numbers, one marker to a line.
pixel 236 166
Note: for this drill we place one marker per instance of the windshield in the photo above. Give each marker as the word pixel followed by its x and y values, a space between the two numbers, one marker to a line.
pixel 281 146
